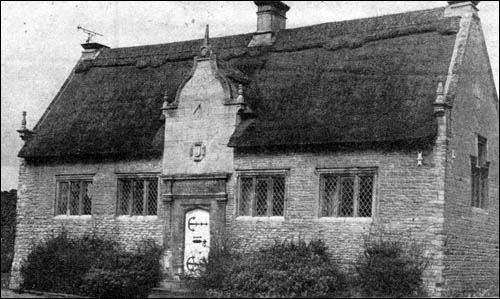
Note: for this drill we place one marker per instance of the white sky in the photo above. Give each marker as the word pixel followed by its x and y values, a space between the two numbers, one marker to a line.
pixel 40 43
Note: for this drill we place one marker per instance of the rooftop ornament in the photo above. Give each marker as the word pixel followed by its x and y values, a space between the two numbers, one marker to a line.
pixel 206 49
pixel 440 103
pixel 24 133
pixel 240 99
pixel 90 33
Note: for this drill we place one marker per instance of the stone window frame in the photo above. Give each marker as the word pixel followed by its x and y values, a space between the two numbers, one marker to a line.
pixel 146 176
pixel 348 171
pixel 480 174
pixel 71 178
pixel 254 173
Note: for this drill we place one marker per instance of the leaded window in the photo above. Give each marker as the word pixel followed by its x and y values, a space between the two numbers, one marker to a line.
pixel 479 175
pixel 138 196
pixel 261 195
pixel 73 197
pixel 347 194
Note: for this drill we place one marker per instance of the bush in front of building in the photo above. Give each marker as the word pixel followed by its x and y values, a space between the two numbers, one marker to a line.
pixel 287 269
pixel 125 274
pixel 222 258
pixel 9 199
pixel 391 268
pixel 91 266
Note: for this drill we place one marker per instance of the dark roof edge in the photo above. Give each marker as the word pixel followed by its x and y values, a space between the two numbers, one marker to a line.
pixel 423 140
pixel 56 97
pixel 100 156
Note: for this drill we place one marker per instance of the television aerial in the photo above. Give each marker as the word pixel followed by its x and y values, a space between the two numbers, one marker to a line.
pixel 90 33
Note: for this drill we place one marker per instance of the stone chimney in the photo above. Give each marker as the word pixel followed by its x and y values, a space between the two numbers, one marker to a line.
pixel 271 18
pixel 461 8
pixel 91 50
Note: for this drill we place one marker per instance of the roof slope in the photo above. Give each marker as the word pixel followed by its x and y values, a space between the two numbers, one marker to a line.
pixel 360 81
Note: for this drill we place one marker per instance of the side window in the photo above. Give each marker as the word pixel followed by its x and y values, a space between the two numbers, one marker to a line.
pixel 261 195
pixel 73 197
pixel 137 196
pixel 479 175
pixel 346 194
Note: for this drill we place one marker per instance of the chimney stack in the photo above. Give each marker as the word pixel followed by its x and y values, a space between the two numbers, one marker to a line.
pixel 461 8
pixel 91 50
pixel 271 18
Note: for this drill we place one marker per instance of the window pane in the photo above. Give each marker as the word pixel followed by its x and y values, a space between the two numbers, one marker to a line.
pixel 329 196
pixel 347 197
pixel 246 185
pixel 152 197
pixel 483 188
pixel 365 196
pixel 137 198
pixel 87 201
pixel 261 197
pixel 481 150
pixel 62 202
pixel 74 198
pixel 278 196
pixel 474 182
pixel 125 191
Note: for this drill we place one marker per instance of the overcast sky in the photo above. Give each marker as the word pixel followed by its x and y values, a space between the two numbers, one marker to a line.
pixel 40 42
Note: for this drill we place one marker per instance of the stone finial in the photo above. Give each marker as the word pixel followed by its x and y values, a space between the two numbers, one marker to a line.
pixel 440 104
pixel 440 89
pixel 23 121
pixel 440 93
pixel 240 98
pixel 24 133
pixel 205 49
pixel 166 104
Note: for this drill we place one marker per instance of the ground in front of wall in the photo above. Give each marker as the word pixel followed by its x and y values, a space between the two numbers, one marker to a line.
pixel 12 294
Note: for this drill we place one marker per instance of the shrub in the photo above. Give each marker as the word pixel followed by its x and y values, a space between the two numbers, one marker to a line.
pixel 221 259
pixel 286 269
pixel 391 268
pixel 9 200
pixel 91 266
pixel 124 274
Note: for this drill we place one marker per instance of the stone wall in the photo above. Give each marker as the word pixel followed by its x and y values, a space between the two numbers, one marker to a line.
pixel 471 251
pixel 409 203
pixel 36 201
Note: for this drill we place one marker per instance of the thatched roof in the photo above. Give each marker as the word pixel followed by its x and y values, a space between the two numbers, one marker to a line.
pixel 361 81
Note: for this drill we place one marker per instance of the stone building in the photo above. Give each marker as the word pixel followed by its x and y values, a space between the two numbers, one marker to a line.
pixel 326 131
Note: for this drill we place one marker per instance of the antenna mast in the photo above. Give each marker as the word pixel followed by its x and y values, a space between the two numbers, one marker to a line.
pixel 90 33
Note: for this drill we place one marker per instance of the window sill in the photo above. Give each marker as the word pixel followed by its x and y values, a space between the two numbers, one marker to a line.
pixel 73 217
pixel 261 218
pixel 346 219
pixel 137 218
pixel 479 210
